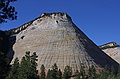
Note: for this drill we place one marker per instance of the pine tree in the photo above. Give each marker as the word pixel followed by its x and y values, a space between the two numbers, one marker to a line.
pixel 7 12
pixel 118 74
pixel 77 75
pixel 27 68
pixel 4 66
pixel 104 73
pixel 54 72
pixel 112 73
pixel 13 73
pixel 59 74
pixel 67 72
pixel 49 74
pixel 22 71
pixel 82 72
pixel 14 68
pixel 10 76
pixel 92 72
pixel 33 61
pixel 42 74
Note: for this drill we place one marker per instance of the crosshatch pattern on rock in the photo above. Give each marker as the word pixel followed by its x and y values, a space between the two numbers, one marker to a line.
pixel 56 39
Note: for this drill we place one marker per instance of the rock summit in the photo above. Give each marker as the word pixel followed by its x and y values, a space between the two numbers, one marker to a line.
pixel 56 39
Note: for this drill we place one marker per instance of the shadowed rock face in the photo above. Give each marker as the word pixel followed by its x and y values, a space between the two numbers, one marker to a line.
pixel 56 39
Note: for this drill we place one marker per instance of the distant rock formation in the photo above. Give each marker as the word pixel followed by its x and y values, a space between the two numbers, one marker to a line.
pixel 109 45
pixel 56 39
pixel 113 50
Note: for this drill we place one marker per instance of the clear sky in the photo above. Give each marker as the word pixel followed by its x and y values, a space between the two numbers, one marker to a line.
pixel 98 19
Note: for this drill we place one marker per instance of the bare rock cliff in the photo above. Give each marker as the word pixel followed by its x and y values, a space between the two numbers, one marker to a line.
pixel 56 39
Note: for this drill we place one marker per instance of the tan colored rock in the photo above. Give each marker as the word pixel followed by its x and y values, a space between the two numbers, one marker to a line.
pixel 113 53
pixel 56 39
pixel 112 49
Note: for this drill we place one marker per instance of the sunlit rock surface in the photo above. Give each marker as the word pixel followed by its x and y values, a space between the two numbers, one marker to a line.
pixel 56 39
pixel 113 50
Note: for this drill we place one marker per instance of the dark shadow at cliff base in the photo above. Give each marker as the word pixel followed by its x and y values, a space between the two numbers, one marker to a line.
pixel 10 53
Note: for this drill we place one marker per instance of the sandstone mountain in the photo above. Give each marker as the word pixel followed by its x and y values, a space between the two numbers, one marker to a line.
pixel 56 39
pixel 112 49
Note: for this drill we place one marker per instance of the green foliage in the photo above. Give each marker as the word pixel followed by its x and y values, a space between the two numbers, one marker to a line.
pixel 92 72
pixel 7 11
pixel 42 74
pixel 10 76
pixel 118 74
pixel 107 73
pixel 49 74
pixel 14 68
pixel 59 74
pixel 4 66
pixel 4 61
pixel 77 75
pixel 54 73
pixel 27 68
pixel 82 72
pixel 67 72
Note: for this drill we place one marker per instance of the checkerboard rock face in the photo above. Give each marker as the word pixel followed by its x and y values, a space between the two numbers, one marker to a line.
pixel 56 39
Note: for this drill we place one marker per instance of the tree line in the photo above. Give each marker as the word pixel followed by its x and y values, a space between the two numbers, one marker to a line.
pixel 27 69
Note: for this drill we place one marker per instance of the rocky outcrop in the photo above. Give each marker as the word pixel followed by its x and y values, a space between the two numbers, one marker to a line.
pixel 109 45
pixel 56 39
pixel 113 50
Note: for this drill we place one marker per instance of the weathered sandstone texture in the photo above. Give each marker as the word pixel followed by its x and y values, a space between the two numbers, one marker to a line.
pixel 56 39
pixel 113 50
pixel 113 53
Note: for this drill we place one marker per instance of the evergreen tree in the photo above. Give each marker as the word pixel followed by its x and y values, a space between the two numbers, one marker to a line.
pixel 33 61
pixel 27 68
pixel 112 73
pixel 14 68
pixel 104 73
pixel 4 66
pixel 77 75
pixel 7 11
pixel 13 73
pixel 82 72
pixel 42 74
pixel 49 74
pixel 22 71
pixel 59 74
pixel 92 72
pixel 10 76
pixel 67 72
pixel 54 72
pixel 118 74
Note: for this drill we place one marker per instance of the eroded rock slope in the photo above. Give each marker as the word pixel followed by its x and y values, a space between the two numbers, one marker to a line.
pixel 113 50
pixel 56 39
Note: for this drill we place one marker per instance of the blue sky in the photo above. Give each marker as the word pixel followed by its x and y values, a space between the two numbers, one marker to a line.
pixel 98 19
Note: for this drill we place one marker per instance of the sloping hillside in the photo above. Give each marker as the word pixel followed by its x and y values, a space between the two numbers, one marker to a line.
pixel 56 39
pixel 112 49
